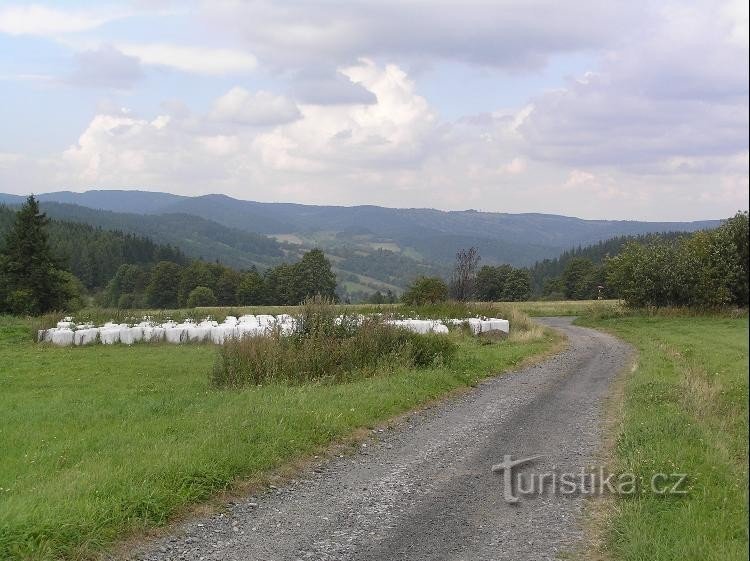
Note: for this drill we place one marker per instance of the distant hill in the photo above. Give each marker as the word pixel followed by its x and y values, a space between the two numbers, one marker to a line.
pixel 371 248
pixel 195 236
pixel 423 234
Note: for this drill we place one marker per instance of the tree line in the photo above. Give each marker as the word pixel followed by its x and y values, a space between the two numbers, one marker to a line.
pixel 706 269
pixel 169 285
pixel 470 282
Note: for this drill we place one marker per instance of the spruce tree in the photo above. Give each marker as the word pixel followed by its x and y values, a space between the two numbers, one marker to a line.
pixel 31 278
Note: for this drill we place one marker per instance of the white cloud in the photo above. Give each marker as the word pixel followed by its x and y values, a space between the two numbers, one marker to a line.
pixel 655 128
pixel 513 34
pixel 262 108
pixel 36 19
pixel 197 60
pixel 677 93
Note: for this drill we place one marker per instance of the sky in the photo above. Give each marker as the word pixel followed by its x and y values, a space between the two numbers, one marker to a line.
pixel 611 110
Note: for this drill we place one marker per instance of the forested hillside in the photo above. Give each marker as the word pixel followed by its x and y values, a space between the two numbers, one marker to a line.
pixel 94 255
pixel 422 234
pixel 196 237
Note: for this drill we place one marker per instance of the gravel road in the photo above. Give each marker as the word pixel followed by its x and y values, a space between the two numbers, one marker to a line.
pixel 425 490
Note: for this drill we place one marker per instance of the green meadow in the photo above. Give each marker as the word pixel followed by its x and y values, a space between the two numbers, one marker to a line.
pixel 684 410
pixel 104 442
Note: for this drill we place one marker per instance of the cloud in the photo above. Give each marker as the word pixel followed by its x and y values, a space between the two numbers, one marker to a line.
pixel 196 60
pixel 105 67
pixel 42 20
pixel 651 124
pixel 239 106
pixel 515 35
pixel 323 87
pixel 676 93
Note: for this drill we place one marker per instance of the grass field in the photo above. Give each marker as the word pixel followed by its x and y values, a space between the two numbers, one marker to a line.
pixel 102 442
pixel 685 410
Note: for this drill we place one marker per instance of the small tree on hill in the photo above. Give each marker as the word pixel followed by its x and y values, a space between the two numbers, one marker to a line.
pixel 32 280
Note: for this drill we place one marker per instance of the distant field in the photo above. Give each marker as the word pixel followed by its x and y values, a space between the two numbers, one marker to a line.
pixel 685 409
pixel 101 442
pixel 540 308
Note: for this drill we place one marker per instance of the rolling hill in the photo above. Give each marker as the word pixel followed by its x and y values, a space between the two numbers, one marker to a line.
pixel 426 234
pixel 402 242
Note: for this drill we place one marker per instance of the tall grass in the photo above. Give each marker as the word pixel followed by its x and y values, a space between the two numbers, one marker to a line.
pixel 326 346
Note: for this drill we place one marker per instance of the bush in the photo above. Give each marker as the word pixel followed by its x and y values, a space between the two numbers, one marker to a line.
pixel 323 348
pixel 426 290
pixel 704 270
pixel 201 296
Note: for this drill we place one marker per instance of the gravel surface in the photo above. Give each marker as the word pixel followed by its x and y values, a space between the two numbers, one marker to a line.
pixel 426 490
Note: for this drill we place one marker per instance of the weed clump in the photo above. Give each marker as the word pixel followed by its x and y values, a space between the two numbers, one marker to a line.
pixel 326 347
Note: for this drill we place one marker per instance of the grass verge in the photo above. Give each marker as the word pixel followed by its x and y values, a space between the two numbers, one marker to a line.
pixel 104 442
pixel 684 410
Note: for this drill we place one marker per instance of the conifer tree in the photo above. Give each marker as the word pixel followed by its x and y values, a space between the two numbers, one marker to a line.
pixel 31 278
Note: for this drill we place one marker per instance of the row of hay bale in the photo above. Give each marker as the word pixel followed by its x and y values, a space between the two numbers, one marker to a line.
pixel 483 325
pixel 422 326
pixel 67 333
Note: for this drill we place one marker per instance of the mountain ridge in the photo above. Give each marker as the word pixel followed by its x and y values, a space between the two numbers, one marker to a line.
pixel 424 234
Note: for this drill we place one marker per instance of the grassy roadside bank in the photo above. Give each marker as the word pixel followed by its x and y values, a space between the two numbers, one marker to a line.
pixel 685 410
pixel 105 441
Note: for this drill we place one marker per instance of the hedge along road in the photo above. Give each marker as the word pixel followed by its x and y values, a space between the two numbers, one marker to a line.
pixel 426 490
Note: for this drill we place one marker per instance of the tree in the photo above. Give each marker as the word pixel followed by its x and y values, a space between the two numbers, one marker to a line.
pixel 201 296
pixel 464 274
pixel 580 279
pixel 517 286
pixel 251 289
pixel 31 279
pixel 704 270
pixel 490 282
pixel 313 276
pixel 227 286
pixel 197 273
pixel 162 289
pixel 130 281
pixel 426 290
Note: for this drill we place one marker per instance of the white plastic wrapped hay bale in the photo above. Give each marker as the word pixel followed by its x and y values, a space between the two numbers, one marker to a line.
pixel 475 325
pixel 230 320
pixel 85 335
pixel 153 334
pixel 250 330
pixel 438 327
pixel 497 324
pixel 130 335
pixel 221 333
pixel 198 333
pixel 45 335
pixel 266 320
pixel 249 319
pixel 177 332
pixel 62 337
pixel 109 334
